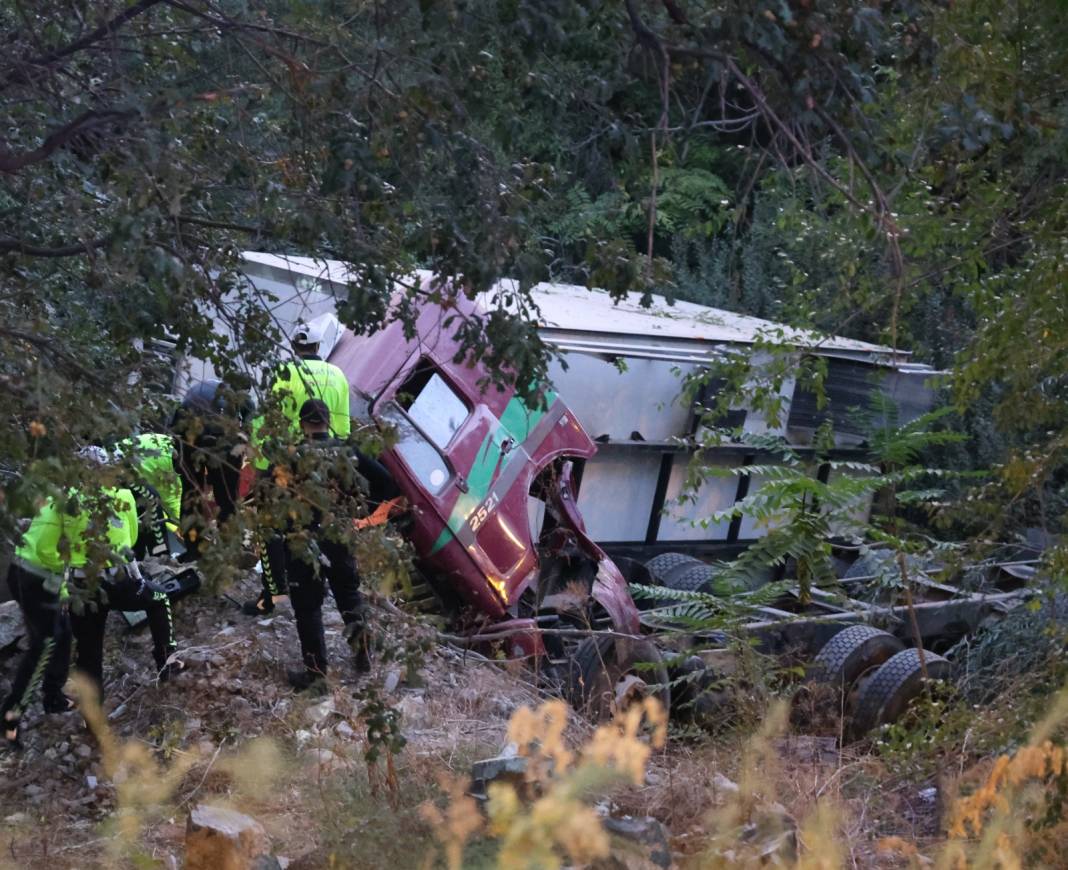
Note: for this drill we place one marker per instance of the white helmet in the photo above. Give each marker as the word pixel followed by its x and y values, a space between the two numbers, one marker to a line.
pixel 307 333
pixel 93 455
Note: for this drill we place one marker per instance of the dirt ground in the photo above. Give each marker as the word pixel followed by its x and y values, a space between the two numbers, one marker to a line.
pixel 311 785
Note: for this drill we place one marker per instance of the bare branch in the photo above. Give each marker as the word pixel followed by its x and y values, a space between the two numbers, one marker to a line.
pixel 26 68
pixel 11 162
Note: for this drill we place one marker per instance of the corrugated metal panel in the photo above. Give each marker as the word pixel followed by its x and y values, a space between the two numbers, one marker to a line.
pixel 850 387
pixel 610 402
pixel 616 494
pixel 681 522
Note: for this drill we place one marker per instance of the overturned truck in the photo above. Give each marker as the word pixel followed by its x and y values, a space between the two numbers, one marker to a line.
pixel 493 482
pixel 489 481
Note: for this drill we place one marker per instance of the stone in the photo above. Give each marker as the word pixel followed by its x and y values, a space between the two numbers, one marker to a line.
pixel 12 629
pixel 772 834
pixel 344 729
pixel 413 711
pixel 507 767
pixel 637 843
pixel 83 750
pixel 392 680
pixel 220 839
pixel 16 819
pixel 317 713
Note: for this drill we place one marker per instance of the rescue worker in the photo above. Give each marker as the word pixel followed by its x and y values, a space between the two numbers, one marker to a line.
pixel 207 457
pixel 309 377
pixel 157 488
pixel 52 556
pixel 312 377
pixel 324 559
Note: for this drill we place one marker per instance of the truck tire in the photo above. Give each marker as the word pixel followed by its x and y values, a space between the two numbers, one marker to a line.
pixel 889 691
pixel 664 564
pixel 691 578
pixel 852 652
pixel 606 671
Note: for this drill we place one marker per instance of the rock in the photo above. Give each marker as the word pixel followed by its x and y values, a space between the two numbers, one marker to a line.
pixel 413 710
pixel 392 680
pixel 83 750
pixel 33 790
pixel 91 781
pixel 222 839
pixel 317 713
pixel 723 785
pixel 16 819
pixel 12 629
pixel 637 844
pixel 773 834
pixel 63 748
pixel 506 767
pixel 344 729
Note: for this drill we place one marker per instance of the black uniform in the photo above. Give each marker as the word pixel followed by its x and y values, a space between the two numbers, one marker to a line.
pixel 307 569
pixel 380 487
pixel 122 589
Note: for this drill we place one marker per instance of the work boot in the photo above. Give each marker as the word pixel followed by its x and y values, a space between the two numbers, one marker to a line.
pixel 167 667
pixel 57 703
pixel 262 606
pixel 358 639
pixel 304 680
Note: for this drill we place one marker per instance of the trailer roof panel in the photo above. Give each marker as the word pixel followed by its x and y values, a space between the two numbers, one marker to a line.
pixel 571 309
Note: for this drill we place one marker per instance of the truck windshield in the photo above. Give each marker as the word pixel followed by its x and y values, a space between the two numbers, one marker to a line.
pixel 421 456
pixel 432 405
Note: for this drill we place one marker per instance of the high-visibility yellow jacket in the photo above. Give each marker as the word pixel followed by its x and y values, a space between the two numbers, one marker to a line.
pixel 313 378
pixel 310 378
pixel 58 536
pixel 153 458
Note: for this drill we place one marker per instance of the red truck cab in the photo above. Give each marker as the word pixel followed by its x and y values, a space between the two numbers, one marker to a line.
pixel 488 478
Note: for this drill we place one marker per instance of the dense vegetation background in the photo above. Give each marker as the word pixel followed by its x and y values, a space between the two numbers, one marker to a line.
pixel 888 171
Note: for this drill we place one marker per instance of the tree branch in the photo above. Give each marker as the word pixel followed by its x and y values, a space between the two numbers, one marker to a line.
pixel 11 162
pixel 22 73
pixel 20 246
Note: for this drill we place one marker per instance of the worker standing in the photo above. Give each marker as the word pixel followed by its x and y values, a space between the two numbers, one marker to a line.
pixel 307 377
pixel 321 551
pixel 312 377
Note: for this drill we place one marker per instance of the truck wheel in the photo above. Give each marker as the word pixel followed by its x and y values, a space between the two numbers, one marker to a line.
pixel 692 578
pixel 889 691
pixel 663 565
pixel 852 652
pixel 607 674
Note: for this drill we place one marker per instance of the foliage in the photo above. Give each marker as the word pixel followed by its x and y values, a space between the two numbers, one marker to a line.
pixel 558 820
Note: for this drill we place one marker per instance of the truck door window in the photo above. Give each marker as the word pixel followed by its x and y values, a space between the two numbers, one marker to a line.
pixel 432 405
pixel 421 456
